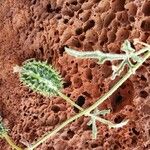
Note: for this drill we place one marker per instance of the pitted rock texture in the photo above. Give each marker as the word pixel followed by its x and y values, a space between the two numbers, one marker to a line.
pixel 41 29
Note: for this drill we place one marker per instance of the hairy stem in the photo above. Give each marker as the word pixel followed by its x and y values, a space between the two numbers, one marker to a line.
pixel 11 142
pixel 99 101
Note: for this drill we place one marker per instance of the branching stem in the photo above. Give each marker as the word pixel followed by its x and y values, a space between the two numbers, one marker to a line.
pixel 97 103
pixel 104 121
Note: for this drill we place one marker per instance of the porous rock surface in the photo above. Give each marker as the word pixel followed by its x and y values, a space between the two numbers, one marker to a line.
pixel 41 29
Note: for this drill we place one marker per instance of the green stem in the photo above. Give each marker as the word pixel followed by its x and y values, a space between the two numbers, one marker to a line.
pixel 11 142
pixel 99 101
pixel 69 100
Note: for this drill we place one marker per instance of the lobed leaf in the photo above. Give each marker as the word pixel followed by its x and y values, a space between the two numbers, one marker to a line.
pixel 129 56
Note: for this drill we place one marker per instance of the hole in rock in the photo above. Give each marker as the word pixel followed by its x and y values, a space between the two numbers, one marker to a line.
pixel 149 132
pixel 123 96
pixel 135 131
pixel 71 13
pixel 88 74
pixel 65 21
pixel 70 133
pixel 71 22
pixel 78 31
pixel 143 78
pixel 86 94
pixel 24 108
pixel 35 117
pixel 74 3
pixel 58 40
pixel 88 127
pixel 50 148
pixel 67 4
pixel 89 25
pixel 27 129
pixel 81 1
pixel 86 144
pixel 118 119
pixel 134 140
pixel 143 94
pixel 80 101
pixel 33 2
pixel 117 100
pixel 146 8
pixel 41 28
pixel 92 65
pixel 42 115
pixel 55 108
pixel 94 145
pixel 48 8
pixel 57 10
pixel 80 11
pixel 107 135
pixel 131 19
pixel 24 114
pixel 68 95
pixel 59 17
pixel 103 40
pixel 101 89
pixel 62 50
pixel 82 37
pixel 66 84
pixel 145 24
pixel 56 32
pixel 41 50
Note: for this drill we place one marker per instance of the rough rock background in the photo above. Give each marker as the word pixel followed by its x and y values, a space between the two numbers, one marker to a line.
pixel 40 29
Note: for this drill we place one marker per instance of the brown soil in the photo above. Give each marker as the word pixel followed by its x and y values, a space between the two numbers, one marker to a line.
pixel 40 29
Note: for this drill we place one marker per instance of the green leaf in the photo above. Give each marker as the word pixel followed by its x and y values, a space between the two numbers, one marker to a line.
pixel 3 130
pixel 126 59
pixel 40 77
